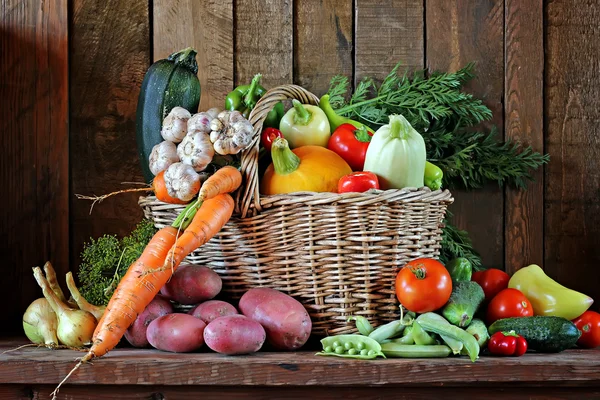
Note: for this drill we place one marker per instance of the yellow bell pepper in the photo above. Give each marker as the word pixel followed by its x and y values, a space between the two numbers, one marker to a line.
pixel 547 296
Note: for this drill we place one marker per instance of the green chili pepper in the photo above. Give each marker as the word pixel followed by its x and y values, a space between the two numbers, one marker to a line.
pixel 243 99
pixel 433 176
pixel 336 120
pixel 362 324
pixel 351 346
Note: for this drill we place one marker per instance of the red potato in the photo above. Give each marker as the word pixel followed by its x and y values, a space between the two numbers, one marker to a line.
pixel 177 333
pixel 285 319
pixel 136 334
pixel 234 334
pixel 213 309
pixel 192 284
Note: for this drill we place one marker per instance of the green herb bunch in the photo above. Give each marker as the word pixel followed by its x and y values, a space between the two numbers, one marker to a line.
pixel 104 261
pixel 436 106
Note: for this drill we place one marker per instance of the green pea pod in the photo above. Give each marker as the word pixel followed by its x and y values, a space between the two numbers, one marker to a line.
pixel 415 351
pixel 351 346
pixel 362 324
pixel 406 339
pixel 432 323
pixel 433 176
pixel 456 345
pixel 420 336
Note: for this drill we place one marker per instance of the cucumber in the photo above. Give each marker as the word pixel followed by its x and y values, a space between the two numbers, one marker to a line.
pixel 464 302
pixel 167 84
pixel 543 334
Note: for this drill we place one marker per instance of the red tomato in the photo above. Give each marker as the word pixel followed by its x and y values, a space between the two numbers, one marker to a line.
pixel 589 325
pixel 358 182
pixel 423 285
pixel 268 137
pixel 492 281
pixel 509 303
pixel 351 144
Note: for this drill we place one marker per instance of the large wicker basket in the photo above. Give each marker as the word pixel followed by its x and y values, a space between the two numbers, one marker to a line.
pixel 336 253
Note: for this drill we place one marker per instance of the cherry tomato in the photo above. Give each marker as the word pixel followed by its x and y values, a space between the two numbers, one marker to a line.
pixel 423 285
pixel 509 303
pixel 589 325
pixel 351 144
pixel 358 182
pixel 268 137
pixel 492 281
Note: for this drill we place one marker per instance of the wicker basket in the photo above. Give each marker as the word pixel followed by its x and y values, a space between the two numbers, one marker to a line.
pixel 336 253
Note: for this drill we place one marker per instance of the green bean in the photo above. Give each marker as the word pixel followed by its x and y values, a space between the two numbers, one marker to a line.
pixel 420 336
pixel 415 351
pixel 351 346
pixel 362 324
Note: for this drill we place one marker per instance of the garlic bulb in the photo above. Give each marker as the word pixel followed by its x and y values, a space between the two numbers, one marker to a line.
pixel 196 150
pixel 181 181
pixel 175 126
pixel 162 155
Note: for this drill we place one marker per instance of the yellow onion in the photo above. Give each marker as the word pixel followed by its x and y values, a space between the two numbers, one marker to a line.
pixel 75 327
pixel 40 323
pixel 82 303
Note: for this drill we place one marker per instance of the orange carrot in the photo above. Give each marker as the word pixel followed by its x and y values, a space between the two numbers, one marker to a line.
pixel 208 221
pixel 225 180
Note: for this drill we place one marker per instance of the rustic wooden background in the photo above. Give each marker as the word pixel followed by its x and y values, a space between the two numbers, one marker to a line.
pixel 71 71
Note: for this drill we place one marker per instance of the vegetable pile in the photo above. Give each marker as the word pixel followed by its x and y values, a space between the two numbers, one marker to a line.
pixel 465 313
pixel 406 132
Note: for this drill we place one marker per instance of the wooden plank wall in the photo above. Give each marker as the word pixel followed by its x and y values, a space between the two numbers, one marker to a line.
pixel 70 76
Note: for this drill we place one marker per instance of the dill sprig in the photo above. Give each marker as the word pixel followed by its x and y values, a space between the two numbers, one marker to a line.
pixel 435 105
pixel 98 273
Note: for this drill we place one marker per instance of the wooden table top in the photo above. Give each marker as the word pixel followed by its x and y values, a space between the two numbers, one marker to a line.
pixel 127 366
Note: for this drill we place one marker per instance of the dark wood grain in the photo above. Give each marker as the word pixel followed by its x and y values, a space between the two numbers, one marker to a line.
pixel 388 33
pixel 263 41
pixel 151 367
pixel 206 26
pixel 523 122
pixel 109 55
pixel 572 115
pixel 34 217
pixel 323 42
pixel 459 32
pixel 95 392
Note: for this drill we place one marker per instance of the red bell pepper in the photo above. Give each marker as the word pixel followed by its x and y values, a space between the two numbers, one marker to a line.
pixel 507 344
pixel 268 137
pixel 351 144
pixel 358 182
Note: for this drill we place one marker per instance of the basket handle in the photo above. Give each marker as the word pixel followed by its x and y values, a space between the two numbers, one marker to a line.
pixel 248 198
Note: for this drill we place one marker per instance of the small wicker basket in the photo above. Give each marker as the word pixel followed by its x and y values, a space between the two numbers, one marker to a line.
pixel 336 253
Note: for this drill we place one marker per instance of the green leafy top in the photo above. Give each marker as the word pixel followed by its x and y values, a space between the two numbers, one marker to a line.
pixel 104 261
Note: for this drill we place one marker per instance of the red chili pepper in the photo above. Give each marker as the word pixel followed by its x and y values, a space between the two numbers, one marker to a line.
pixel 358 182
pixel 268 137
pixel 507 344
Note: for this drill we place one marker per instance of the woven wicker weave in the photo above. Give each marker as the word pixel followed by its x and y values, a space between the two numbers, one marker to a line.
pixel 336 253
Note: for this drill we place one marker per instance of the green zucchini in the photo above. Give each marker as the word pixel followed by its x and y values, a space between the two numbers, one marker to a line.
pixel 168 83
pixel 543 334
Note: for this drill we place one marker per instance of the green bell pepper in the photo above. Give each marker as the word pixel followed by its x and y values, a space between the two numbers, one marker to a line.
pixel 243 99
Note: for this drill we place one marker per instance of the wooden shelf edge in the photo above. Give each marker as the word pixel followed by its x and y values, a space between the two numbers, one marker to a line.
pixel 128 366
